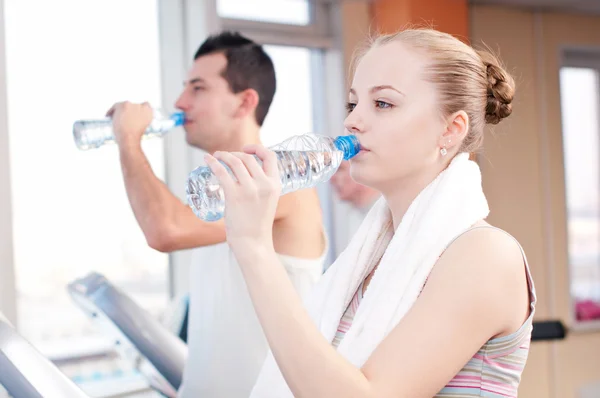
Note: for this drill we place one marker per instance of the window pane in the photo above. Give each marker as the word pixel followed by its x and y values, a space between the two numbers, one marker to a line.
pixel 292 110
pixel 580 109
pixel 291 12
pixel 71 213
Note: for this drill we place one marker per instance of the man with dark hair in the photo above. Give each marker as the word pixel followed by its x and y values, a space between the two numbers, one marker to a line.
pixel 248 66
pixel 226 97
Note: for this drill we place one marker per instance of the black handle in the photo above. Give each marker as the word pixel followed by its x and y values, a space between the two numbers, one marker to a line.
pixel 548 330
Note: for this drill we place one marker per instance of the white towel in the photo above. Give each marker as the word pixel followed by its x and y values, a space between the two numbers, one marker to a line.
pixel 448 206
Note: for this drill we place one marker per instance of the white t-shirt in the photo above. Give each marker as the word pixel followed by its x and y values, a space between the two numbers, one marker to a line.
pixel 226 343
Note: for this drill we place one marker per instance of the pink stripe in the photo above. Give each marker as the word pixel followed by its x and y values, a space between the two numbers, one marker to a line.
pixel 465 384
pixel 504 392
pixel 503 365
pixel 474 386
pixel 465 377
pixel 499 389
pixel 495 383
pixel 505 389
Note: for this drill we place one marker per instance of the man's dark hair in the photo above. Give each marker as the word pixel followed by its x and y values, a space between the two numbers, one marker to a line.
pixel 248 66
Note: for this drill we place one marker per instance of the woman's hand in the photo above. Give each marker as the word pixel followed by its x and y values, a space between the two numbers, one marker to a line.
pixel 251 197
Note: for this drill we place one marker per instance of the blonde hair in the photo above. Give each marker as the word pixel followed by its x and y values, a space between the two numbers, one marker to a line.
pixel 466 79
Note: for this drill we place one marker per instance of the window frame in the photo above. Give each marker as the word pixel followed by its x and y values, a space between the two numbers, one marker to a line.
pixel 183 25
pixel 324 37
pixel 170 20
pixel 586 57
pixel 318 27
pixel 8 304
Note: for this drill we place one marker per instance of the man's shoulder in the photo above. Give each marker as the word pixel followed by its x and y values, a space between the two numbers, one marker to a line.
pixel 302 203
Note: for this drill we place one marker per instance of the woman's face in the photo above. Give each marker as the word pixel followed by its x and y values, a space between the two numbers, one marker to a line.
pixel 394 113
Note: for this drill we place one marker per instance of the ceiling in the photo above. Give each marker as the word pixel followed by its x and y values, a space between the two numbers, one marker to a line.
pixel 584 6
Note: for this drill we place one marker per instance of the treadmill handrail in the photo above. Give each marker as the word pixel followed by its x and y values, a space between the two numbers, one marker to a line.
pixel 163 349
pixel 26 373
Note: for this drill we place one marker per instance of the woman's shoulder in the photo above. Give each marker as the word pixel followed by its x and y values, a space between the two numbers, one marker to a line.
pixel 493 237
pixel 494 262
pixel 490 249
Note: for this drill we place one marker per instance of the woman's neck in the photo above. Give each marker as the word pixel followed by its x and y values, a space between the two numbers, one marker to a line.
pixel 402 193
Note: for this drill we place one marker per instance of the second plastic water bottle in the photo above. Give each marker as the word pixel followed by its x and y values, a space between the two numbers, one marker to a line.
pixel 303 162
pixel 90 134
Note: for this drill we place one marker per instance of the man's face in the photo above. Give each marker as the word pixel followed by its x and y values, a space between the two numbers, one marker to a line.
pixel 209 104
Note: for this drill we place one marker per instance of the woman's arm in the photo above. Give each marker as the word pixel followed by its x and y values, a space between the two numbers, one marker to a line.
pixel 476 291
pixel 471 296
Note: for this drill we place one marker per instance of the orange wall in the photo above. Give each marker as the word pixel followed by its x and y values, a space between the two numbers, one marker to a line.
pixel 360 18
pixel 450 16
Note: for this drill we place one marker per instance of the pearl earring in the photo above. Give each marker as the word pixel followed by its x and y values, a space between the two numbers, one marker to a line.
pixel 443 151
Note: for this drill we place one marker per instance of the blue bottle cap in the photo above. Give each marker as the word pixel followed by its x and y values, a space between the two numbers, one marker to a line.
pixel 348 144
pixel 179 118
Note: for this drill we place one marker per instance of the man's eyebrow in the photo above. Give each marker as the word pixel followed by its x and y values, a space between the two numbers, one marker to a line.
pixel 194 80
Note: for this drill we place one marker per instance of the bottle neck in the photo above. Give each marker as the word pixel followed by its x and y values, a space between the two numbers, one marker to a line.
pixel 348 144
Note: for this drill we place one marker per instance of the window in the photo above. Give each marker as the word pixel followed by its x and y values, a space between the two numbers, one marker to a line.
pixel 292 12
pixel 300 36
pixel 71 213
pixel 580 105
pixel 292 110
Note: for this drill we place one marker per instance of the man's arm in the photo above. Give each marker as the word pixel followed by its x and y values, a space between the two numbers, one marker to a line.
pixel 167 223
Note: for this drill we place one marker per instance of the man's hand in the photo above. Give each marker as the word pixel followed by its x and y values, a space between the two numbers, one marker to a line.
pixel 130 121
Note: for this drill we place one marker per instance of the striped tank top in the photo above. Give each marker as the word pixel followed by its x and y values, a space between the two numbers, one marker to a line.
pixel 495 370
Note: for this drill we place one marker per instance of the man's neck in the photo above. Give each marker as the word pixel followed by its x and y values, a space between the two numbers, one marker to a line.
pixel 247 135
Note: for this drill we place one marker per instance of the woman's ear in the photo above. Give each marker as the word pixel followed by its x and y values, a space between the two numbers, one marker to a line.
pixel 456 130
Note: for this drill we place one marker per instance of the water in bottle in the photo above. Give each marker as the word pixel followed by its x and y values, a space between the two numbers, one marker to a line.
pixel 303 162
pixel 89 134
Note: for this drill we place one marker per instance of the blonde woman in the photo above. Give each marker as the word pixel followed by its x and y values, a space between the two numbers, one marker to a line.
pixel 428 300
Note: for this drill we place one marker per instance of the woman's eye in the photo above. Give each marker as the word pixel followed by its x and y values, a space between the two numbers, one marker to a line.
pixel 382 104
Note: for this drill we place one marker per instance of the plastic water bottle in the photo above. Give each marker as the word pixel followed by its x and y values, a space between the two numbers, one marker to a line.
pixel 90 134
pixel 303 162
